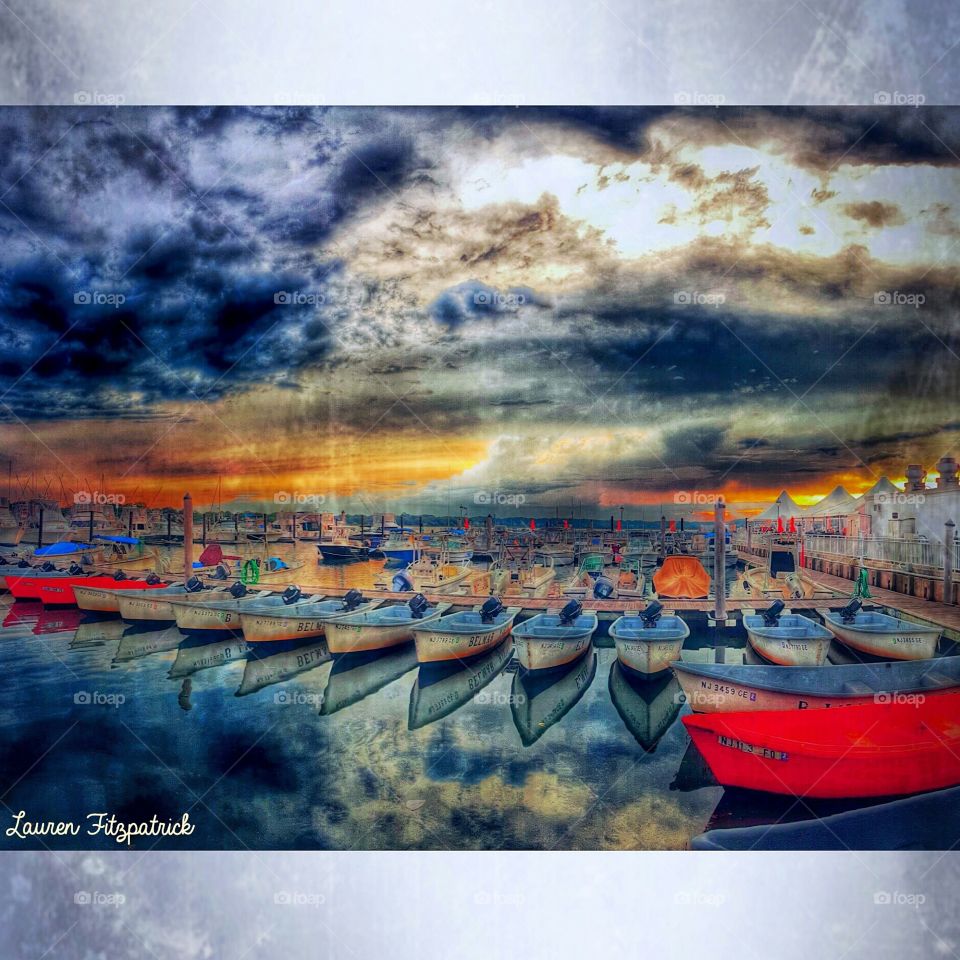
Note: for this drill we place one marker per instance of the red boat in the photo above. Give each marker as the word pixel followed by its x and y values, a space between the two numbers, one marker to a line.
pixel 58 591
pixel 873 750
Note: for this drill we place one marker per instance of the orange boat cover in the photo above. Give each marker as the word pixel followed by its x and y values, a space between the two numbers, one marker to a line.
pixel 682 577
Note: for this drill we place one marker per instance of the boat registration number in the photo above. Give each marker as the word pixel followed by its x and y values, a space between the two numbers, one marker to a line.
pixel 744 747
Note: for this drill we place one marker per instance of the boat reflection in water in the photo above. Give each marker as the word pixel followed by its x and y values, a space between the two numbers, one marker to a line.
pixel 355 676
pixel 276 661
pixel 693 772
pixel 539 700
pixel 443 687
pixel 200 652
pixel 96 633
pixel 138 642
pixel 647 707
pixel 22 615
pixel 52 620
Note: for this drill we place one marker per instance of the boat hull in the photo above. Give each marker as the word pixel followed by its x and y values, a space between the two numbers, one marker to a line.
pixel 790 651
pixel 537 654
pixel 897 645
pixel 883 750
pixel 648 651
pixel 436 646
pixel 341 553
pixel 724 696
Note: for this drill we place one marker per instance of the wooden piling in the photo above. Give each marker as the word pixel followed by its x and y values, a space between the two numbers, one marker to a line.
pixel 719 563
pixel 948 543
pixel 187 535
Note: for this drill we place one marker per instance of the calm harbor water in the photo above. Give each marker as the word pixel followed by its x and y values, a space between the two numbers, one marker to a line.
pixel 281 747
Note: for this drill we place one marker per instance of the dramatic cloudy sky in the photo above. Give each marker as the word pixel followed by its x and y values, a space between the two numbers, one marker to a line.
pixel 405 308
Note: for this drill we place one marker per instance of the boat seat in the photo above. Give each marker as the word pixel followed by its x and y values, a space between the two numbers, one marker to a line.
pixel 858 688
pixel 935 679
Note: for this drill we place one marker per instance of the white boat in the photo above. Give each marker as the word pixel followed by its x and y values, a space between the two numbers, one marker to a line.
pixel 216 616
pixel 590 580
pixel 464 634
pixel 881 635
pixel 11 531
pixel 270 620
pixel 450 549
pixel 787 638
pixel 377 629
pixel 550 640
pixel 154 605
pixel 649 641
pixel 521 580
pixel 427 575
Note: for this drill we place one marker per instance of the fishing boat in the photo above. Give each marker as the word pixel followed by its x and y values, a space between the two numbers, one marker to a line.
pixel 201 615
pixel 153 605
pixel 870 750
pixel 399 549
pixel 377 629
pixel 43 521
pixel 342 549
pixel 927 821
pixel 728 688
pixel 878 634
pixel 428 575
pixel 277 619
pixel 271 663
pixel 521 580
pixel 444 687
pixel 647 707
pixel 787 638
pixel 452 549
pixel 554 554
pixel 554 639
pixel 105 598
pixel 11 531
pixel 61 592
pixel 355 676
pixel 540 700
pixel 649 641
pixel 682 577
pixel 466 633
pixel 25 583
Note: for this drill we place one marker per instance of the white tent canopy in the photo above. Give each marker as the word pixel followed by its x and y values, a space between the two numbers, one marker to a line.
pixel 784 506
pixel 837 503
pixel 882 487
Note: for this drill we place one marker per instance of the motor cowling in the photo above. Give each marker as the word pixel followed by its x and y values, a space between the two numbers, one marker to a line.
pixel 47 566
pixel 238 589
pixel 849 613
pixel 401 583
pixel 75 569
pixel 23 563
pixel 291 595
pixel 119 575
pixel 152 578
pixel 602 588
pixel 419 606
pixel 352 599
pixel 193 585
pixel 772 614
pixel 570 612
pixel 492 606
pixel 221 573
pixel 652 613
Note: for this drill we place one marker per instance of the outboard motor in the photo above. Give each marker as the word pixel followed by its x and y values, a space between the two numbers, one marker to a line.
pixel 491 607
pixel 771 615
pixel 193 585
pixel 652 613
pixel 23 563
pixel 570 612
pixel 291 595
pixel 47 566
pixel 238 590
pixel 75 569
pixel 401 583
pixel 221 573
pixel 418 606
pixel 119 575
pixel 849 613
pixel 602 588
pixel 152 578
pixel 352 599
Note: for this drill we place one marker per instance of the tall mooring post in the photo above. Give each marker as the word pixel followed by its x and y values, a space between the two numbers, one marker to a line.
pixel 187 536
pixel 948 547
pixel 719 561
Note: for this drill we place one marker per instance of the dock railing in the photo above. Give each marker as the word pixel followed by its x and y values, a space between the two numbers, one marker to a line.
pixel 887 551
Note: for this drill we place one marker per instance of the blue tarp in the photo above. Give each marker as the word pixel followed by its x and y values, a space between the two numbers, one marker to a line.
pixel 133 541
pixel 58 549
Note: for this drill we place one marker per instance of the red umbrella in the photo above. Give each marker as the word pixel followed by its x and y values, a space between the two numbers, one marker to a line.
pixel 793 525
pixel 779 524
pixel 673 526
pixel 466 523
pixel 566 524
pixel 619 525
pixel 533 524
